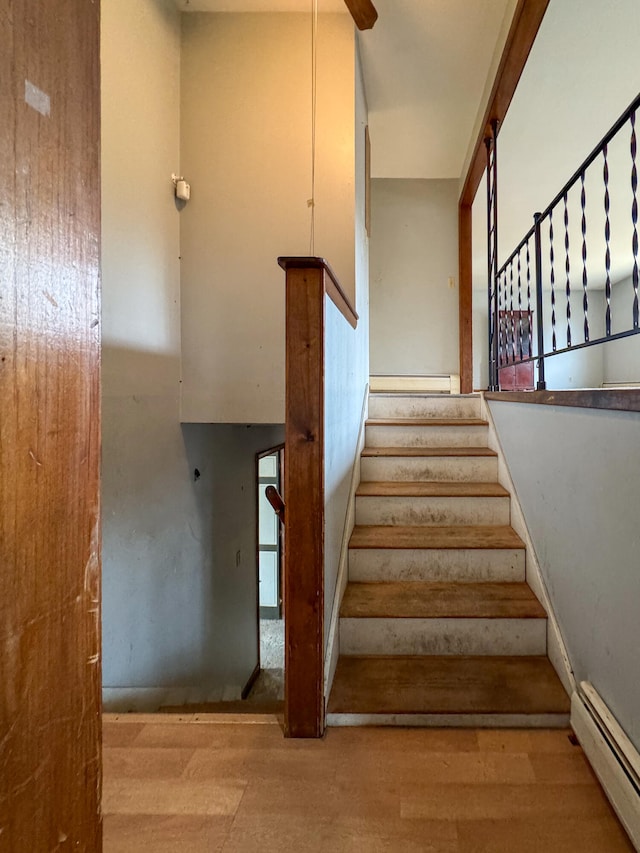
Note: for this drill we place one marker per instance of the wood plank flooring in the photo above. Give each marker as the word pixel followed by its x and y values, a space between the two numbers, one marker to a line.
pixel 235 785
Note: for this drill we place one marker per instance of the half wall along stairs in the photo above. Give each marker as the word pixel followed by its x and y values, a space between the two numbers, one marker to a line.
pixel 438 625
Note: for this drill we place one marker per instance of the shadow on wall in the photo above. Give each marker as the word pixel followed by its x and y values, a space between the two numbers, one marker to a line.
pixel 179 539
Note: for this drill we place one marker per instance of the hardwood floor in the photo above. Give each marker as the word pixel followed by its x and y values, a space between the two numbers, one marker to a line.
pixel 234 784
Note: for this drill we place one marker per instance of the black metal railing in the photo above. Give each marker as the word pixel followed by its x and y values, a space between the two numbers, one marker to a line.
pixel 585 241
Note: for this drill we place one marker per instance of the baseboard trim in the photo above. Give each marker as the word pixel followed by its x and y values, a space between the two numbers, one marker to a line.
pixel 613 757
pixel 252 680
pixel 333 645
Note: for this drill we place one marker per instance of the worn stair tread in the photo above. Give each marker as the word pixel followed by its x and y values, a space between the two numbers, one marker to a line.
pixel 422 421
pixel 447 685
pixel 428 451
pixel 424 536
pixel 440 600
pixel 430 489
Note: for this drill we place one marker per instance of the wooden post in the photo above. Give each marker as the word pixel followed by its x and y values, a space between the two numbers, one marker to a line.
pixel 304 501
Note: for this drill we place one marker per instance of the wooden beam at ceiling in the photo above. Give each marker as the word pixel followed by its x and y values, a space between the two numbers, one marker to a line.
pixel 522 34
pixel 363 13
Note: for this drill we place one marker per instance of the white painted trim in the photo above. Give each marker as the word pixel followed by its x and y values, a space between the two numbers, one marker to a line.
pixel 441 384
pixel 556 647
pixel 600 737
pixel 456 721
pixel 333 645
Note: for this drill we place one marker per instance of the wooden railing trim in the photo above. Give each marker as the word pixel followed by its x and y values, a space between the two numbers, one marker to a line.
pixel 524 29
pixel 619 399
pixel 332 286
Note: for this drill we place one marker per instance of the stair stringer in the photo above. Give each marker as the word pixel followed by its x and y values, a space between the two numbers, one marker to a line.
pixel 332 649
pixel 556 647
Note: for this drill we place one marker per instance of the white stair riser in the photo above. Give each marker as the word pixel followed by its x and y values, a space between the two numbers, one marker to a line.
pixel 456 721
pixel 448 636
pixel 432 510
pixel 437 564
pixel 426 436
pixel 415 406
pixel 459 469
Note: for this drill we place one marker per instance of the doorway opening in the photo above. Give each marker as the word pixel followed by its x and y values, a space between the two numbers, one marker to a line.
pixel 269 685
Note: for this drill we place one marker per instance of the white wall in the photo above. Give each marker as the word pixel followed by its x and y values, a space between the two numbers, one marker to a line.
pixel 346 378
pixel 574 471
pixel 622 358
pixel 176 608
pixel 414 251
pixel 246 149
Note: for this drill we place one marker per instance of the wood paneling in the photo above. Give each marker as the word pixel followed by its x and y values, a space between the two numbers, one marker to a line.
pixel 49 427
pixel 304 500
pixel 524 29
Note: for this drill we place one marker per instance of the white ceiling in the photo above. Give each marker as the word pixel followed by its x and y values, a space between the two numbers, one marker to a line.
pixel 425 64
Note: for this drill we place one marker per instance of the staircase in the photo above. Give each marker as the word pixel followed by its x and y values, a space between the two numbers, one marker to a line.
pixel 438 625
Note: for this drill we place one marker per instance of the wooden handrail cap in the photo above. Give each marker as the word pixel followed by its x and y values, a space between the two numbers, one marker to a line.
pixel 332 287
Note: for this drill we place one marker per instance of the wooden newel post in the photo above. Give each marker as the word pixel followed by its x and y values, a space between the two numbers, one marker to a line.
pixel 304 497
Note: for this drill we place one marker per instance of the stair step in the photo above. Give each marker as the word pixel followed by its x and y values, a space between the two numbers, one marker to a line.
pixel 455 536
pixel 429 422
pixel 423 405
pixel 437 564
pixel 432 488
pixel 453 691
pixel 412 600
pixel 426 452
pixel 448 464
pixel 430 433
pixel 445 510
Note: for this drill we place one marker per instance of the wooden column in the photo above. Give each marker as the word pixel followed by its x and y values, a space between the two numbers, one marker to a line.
pixel 304 502
pixel 49 426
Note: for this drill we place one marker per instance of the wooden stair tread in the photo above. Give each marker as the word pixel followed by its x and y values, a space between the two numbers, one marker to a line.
pixel 428 451
pixel 431 489
pixel 454 536
pixel 422 421
pixel 447 685
pixel 427 600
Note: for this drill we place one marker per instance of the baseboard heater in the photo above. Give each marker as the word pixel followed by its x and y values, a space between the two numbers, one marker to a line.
pixel 614 758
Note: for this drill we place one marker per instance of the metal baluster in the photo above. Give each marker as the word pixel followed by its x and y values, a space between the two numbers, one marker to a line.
pixel 634 217
pixel 607 236
pixel 530 350
pixel 567 267
pixel 554 342
pixel 512 324
pixel 541 385
pixel 519 308
pixel 585 298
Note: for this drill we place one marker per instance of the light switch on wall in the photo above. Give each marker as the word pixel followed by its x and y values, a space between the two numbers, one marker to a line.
pixel 451 282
